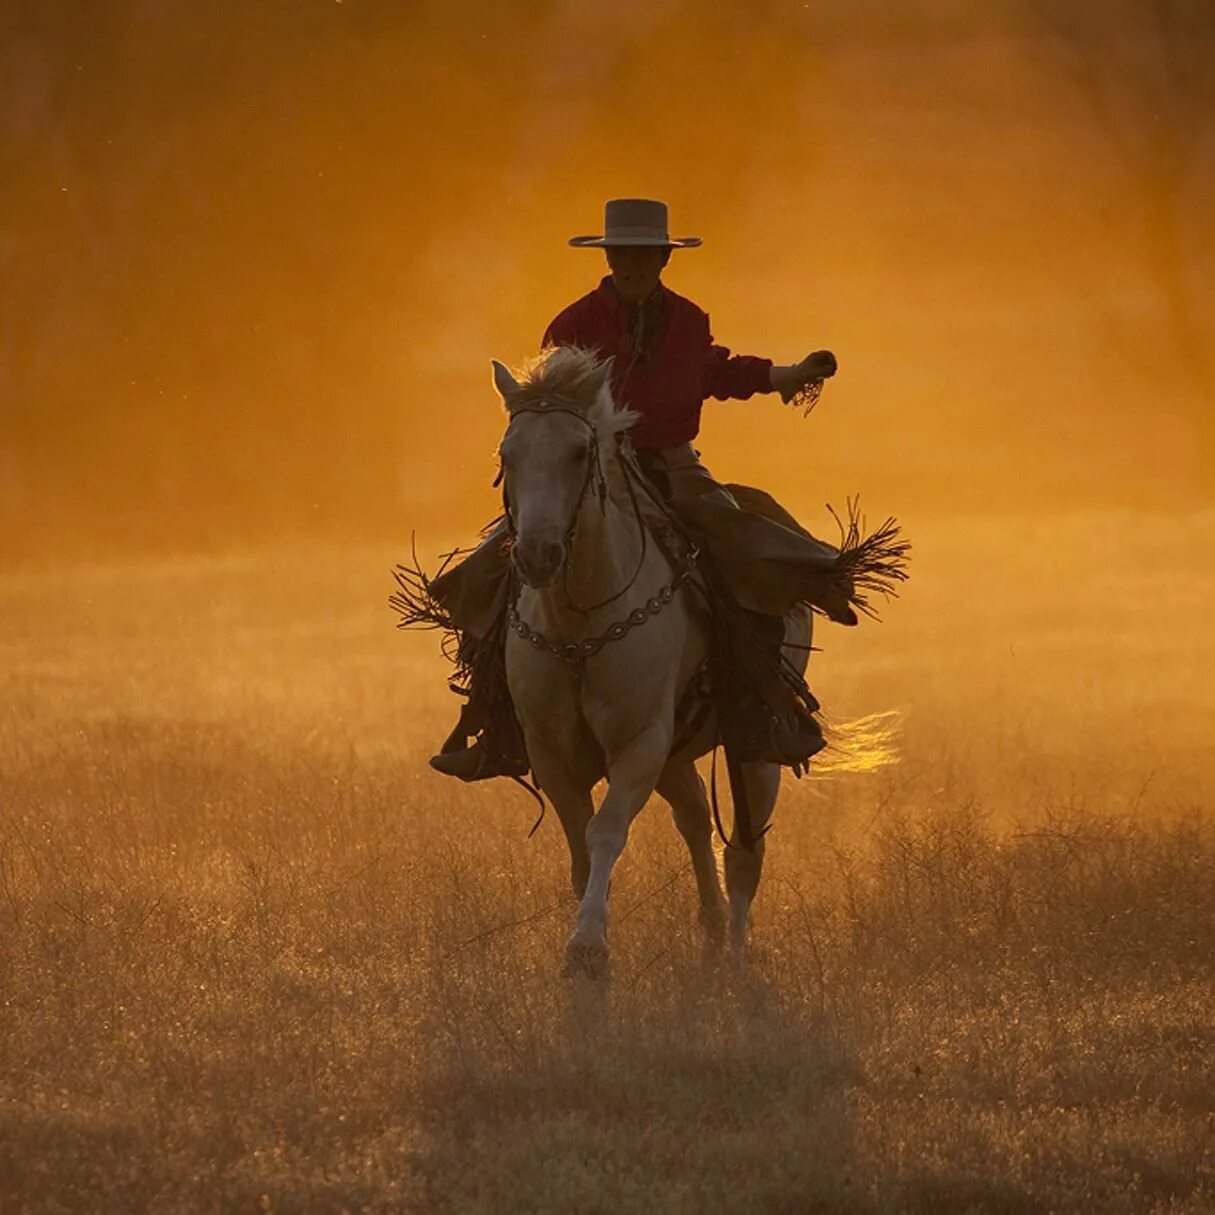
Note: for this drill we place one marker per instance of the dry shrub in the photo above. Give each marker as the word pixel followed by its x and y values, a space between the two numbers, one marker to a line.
pixel 254 957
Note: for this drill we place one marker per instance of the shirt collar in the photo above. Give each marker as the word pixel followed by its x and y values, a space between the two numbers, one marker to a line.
pixel 651 304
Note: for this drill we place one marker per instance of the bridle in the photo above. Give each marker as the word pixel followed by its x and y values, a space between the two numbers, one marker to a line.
pixel 593 477
pixel 594 464
pixel 576 653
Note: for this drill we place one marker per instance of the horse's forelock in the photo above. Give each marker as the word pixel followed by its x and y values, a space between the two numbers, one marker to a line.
pixel 577 379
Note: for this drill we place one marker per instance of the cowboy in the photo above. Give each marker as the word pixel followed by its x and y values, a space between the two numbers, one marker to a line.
pixel 666 365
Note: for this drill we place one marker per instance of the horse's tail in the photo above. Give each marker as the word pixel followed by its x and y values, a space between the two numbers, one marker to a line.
pixel 863 744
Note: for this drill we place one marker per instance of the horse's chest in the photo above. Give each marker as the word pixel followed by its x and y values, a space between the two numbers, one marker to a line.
pixel 636 675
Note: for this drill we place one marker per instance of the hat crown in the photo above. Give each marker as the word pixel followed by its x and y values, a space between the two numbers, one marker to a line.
pixel 641 216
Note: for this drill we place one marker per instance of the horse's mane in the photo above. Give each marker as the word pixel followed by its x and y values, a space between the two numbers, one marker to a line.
pixel 574 378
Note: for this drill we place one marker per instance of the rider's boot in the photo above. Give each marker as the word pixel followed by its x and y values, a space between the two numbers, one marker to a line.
pixel 792 740
pixel 773 709
pixel 497 748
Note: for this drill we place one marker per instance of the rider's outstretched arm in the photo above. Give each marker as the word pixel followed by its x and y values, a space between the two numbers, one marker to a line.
pixel 733 376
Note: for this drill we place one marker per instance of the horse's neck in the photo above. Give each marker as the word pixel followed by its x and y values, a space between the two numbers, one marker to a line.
pixel 608 547
pixel 610 560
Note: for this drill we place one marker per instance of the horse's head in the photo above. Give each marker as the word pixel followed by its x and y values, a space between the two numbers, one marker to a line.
pixel 550 453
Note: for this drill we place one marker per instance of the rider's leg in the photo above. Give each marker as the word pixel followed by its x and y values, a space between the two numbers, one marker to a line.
pixel 688 478
pixel 769 711
pixel 474 594
pixel 488 717
pixel 766 720
pixel 771 561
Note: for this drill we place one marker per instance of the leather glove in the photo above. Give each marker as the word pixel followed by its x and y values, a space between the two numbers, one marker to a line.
pixel 821 365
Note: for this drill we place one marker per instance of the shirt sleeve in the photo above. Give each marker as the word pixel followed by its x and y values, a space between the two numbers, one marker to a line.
pixel 735 376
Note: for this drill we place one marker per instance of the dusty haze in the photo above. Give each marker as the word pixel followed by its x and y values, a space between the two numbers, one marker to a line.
pixel 255 258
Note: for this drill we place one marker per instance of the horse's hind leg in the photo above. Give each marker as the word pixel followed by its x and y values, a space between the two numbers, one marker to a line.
pixel 742 867
pixel 680 785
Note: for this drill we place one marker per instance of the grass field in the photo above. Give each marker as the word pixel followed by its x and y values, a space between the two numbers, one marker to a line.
pixel 255 956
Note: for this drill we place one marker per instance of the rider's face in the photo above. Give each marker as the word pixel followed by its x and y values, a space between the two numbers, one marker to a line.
pixel 636 269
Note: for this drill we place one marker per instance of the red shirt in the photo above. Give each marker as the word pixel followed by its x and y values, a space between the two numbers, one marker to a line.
pixel 669 383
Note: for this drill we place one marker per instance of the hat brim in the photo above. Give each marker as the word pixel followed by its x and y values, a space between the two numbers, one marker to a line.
pixel 659 242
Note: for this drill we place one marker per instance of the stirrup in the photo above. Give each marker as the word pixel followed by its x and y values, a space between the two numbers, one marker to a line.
pixel 476 763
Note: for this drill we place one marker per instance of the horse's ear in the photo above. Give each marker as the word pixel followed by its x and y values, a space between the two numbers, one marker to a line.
pixel 504 382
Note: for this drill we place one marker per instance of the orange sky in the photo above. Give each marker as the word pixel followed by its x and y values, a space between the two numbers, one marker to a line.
pixel 257 260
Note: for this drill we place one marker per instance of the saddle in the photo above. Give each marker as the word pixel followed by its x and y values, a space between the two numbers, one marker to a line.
pixel 763 708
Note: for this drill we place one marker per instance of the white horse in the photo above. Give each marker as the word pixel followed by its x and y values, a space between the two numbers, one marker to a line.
pixel 602 640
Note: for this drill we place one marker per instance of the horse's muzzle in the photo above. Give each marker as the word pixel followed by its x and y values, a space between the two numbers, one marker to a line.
pixel 539 564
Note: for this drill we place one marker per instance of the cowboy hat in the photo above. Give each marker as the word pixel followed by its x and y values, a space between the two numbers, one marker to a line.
pixel 634 221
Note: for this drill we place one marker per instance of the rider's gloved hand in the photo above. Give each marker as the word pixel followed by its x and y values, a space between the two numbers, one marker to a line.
pixel 820 365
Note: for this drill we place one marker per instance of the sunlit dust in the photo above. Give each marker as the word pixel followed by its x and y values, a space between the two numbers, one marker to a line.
pixel 255 955
pixel 257 262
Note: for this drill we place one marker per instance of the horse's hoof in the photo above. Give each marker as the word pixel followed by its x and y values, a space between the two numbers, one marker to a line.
pixel 587 961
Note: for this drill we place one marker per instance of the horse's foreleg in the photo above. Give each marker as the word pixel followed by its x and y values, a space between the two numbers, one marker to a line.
pixel 742 867
pixel 571 799
pixel 632 774
pixel 681 786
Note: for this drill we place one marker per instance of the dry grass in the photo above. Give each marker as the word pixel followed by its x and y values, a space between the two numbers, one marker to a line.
pixel 253 956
